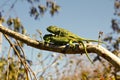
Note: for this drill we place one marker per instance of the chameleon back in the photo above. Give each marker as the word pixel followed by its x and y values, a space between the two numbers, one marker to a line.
pixel 61 32
pixel 65 33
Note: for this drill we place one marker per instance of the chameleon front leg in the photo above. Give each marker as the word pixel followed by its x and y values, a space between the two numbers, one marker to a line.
pixel 86 51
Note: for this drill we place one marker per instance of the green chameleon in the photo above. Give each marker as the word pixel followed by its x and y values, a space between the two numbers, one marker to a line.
pixel 60 36
pixel 57 40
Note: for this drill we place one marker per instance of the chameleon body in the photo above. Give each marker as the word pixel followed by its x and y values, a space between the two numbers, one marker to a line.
pixel 50 38
pixel 60 36
pixel 63 32
pixel 60 31
pixel 57 40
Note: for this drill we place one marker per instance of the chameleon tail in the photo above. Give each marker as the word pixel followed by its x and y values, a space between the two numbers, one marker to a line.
pixel 86 52
pixel 90 40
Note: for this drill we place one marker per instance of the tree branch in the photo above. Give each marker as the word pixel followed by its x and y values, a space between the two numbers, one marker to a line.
pixel 91 48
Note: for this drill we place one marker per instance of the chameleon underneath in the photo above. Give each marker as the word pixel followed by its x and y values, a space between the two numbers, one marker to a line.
pixel 60 36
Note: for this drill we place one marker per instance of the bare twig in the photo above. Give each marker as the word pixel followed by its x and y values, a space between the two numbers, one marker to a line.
pixel 27 68
pixel 17 54
pixel 7 77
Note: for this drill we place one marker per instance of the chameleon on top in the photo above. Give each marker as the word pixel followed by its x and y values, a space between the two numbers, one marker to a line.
pixel 60 31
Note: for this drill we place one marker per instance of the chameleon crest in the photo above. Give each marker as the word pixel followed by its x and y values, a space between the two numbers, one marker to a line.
pixel 60 31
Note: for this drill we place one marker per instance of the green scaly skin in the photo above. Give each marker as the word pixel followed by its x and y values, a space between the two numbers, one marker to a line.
pixel 63 37
pixel 62 32
pixel 59 41
pixel 50 38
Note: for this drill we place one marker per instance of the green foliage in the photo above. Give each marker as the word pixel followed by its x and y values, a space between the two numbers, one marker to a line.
pixel 11 70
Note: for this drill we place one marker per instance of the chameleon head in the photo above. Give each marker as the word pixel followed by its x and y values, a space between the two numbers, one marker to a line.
pixel 47 36
pixel 53 29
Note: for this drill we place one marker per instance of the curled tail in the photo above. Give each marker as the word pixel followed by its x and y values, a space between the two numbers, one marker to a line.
pixel 86 51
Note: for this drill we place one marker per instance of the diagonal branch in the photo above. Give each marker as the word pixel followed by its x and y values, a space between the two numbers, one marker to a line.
pixel 91 48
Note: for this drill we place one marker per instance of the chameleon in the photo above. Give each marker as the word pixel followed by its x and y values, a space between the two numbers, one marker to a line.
pixel 60 36
pixel 58 40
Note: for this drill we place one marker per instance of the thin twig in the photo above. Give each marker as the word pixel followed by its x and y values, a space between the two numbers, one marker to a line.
pixel 7 77
pixel 17 54
pixel 25 58
pixel 21 48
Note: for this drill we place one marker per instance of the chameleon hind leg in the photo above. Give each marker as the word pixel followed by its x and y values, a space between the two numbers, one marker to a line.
pixel 71 44
pixel 86 51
